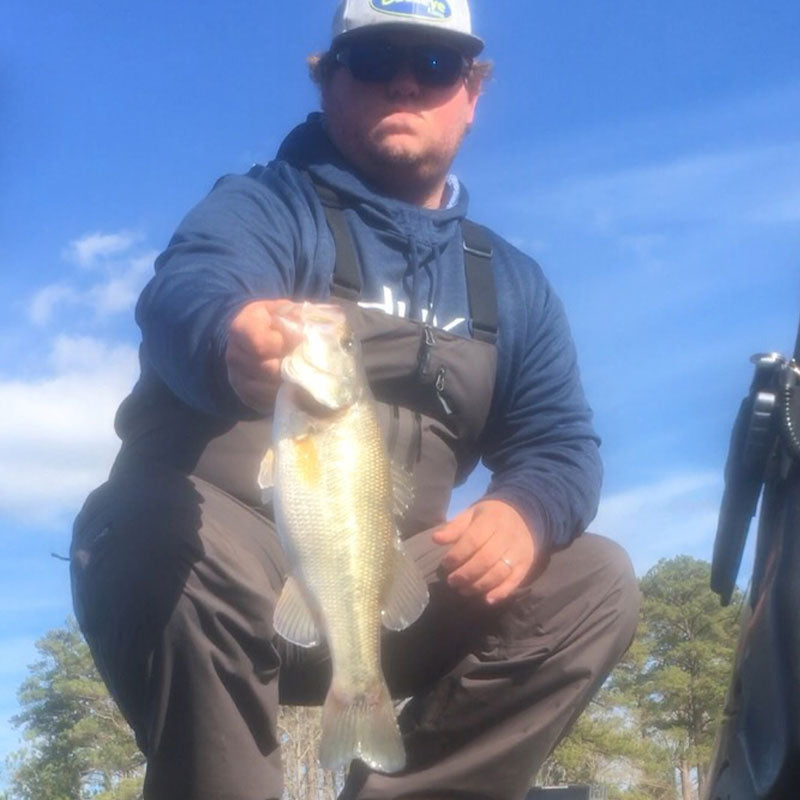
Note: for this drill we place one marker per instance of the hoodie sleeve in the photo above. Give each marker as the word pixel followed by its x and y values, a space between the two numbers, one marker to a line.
pixel 540 444
pixel 247 239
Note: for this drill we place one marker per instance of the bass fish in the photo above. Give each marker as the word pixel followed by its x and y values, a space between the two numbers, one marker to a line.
pixel 333 494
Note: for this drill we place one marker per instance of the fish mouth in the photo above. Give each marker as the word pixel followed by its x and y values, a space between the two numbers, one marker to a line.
pixel 314 407
pixel 326 395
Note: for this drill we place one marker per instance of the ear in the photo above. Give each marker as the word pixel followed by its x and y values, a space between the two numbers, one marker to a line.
pixel 324 95
pixel 327 91
pixel 474 87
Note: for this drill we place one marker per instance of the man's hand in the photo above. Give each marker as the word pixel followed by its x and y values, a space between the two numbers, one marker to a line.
pixel 260 336
pixel 492 550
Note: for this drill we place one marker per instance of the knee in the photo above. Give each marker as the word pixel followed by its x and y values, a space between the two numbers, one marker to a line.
pixel 616 581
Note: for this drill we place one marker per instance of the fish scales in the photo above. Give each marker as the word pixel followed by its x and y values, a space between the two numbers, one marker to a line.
pixel 348 569
pixel 333 494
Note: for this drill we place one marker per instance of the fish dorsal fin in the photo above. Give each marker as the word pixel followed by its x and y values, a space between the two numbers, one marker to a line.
pixel 294 620
pixel 402 489
pixel 408 593
pixel 266 475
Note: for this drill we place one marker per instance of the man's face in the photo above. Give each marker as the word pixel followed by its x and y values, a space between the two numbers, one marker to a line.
pixel 399 133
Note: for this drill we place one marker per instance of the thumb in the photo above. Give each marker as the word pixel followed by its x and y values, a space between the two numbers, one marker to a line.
pixel 288 321
pixel 451 531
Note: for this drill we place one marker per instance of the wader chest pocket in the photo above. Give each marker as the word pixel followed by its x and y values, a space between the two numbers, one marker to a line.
pixel 431 371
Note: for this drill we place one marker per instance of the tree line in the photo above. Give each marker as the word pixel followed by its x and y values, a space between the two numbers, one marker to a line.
pixel 648 734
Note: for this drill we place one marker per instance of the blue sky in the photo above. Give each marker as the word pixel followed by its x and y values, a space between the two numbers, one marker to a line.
pixel 647 154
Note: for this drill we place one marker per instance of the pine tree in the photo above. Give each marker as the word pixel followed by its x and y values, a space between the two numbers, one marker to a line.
pixel 657 714
pixel 687 641
pixel 78 745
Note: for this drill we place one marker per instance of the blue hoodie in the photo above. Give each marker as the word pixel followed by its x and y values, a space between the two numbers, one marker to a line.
pixel 264 235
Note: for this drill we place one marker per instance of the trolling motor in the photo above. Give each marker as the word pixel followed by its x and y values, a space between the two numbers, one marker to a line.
pixel 764 421
pixel 757 751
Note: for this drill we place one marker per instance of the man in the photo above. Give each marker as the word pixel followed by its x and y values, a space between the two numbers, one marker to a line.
pixel 176 564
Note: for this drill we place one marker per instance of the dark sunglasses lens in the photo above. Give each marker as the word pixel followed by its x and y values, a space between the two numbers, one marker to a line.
pixel 437 66
pixel 373 62
pixel 379 62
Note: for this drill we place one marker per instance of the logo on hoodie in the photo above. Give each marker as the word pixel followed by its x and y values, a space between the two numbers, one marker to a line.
pixel 433 9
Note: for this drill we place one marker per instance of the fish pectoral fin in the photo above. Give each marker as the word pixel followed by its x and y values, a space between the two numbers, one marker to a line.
pixel 402 490
pixel 266 475
pixel 408 593
pixel 293 619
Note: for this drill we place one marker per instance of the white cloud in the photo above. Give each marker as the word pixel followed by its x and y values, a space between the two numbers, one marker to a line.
pixel 113 288
pixel 45 301
pixel 675 515
pixel 753 185
pixel 93 247
pixel 56 433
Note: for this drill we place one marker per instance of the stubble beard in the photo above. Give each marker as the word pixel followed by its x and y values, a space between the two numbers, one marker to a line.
pixel 406 168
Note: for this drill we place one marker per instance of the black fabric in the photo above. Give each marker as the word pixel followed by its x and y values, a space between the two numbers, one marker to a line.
pixel 797 347
pixel 480 281
pixel 347 280
pixel 175 583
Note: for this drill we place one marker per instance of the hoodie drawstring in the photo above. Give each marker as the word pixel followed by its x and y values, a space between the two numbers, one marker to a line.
pixel 417 301
pixel 416 288
pixel 436 281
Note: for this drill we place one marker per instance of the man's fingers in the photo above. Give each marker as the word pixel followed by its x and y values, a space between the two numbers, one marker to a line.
pixel 491 554
pixel 254 340
pixel 246 365
pixel 482 583
pixel 476 562
pixel 493 581
pixel 496 583
pixel 452 531
pixel 256 394
pixel 260 335
pixel 266 328
pixel 503 591
pixel 290 326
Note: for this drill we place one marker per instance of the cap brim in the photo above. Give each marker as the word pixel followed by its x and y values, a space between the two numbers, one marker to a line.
pixel 468 44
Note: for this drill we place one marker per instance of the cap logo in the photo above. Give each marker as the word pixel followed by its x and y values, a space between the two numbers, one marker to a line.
pixel 434 9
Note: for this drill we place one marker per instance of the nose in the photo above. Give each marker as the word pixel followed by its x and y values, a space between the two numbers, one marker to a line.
pixel 404 83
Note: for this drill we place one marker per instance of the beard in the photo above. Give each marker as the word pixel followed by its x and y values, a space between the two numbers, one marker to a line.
pixel 401 163
pixel 403 144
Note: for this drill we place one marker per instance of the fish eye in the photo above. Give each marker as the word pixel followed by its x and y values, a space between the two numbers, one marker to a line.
pixel 348 343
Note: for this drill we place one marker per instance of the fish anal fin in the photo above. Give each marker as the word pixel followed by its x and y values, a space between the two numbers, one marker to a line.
pixel 361 725
pixel 294 620
pixel 407 595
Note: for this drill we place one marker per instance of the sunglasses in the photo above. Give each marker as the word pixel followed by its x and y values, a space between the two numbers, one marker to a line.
pixel 378 61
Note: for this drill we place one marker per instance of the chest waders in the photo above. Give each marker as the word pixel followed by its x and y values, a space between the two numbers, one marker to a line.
pixel 176 570
pixel 433 390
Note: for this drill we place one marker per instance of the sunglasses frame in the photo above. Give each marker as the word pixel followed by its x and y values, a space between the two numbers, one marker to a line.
pixel 404 56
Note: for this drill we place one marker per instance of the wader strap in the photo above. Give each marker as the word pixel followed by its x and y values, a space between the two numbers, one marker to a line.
pixel 347 282
pixel 480 281
pixel 347 271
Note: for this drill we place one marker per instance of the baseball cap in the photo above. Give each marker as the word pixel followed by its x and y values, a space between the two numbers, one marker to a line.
pixel 450 18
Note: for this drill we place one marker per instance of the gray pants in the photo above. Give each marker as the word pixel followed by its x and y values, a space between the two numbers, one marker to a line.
pixel 174 585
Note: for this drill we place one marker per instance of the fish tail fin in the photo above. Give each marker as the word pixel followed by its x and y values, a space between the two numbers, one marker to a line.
pixel 361 725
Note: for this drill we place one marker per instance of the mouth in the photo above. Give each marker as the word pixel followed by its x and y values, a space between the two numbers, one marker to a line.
pixel 398 114
pixel 308 404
